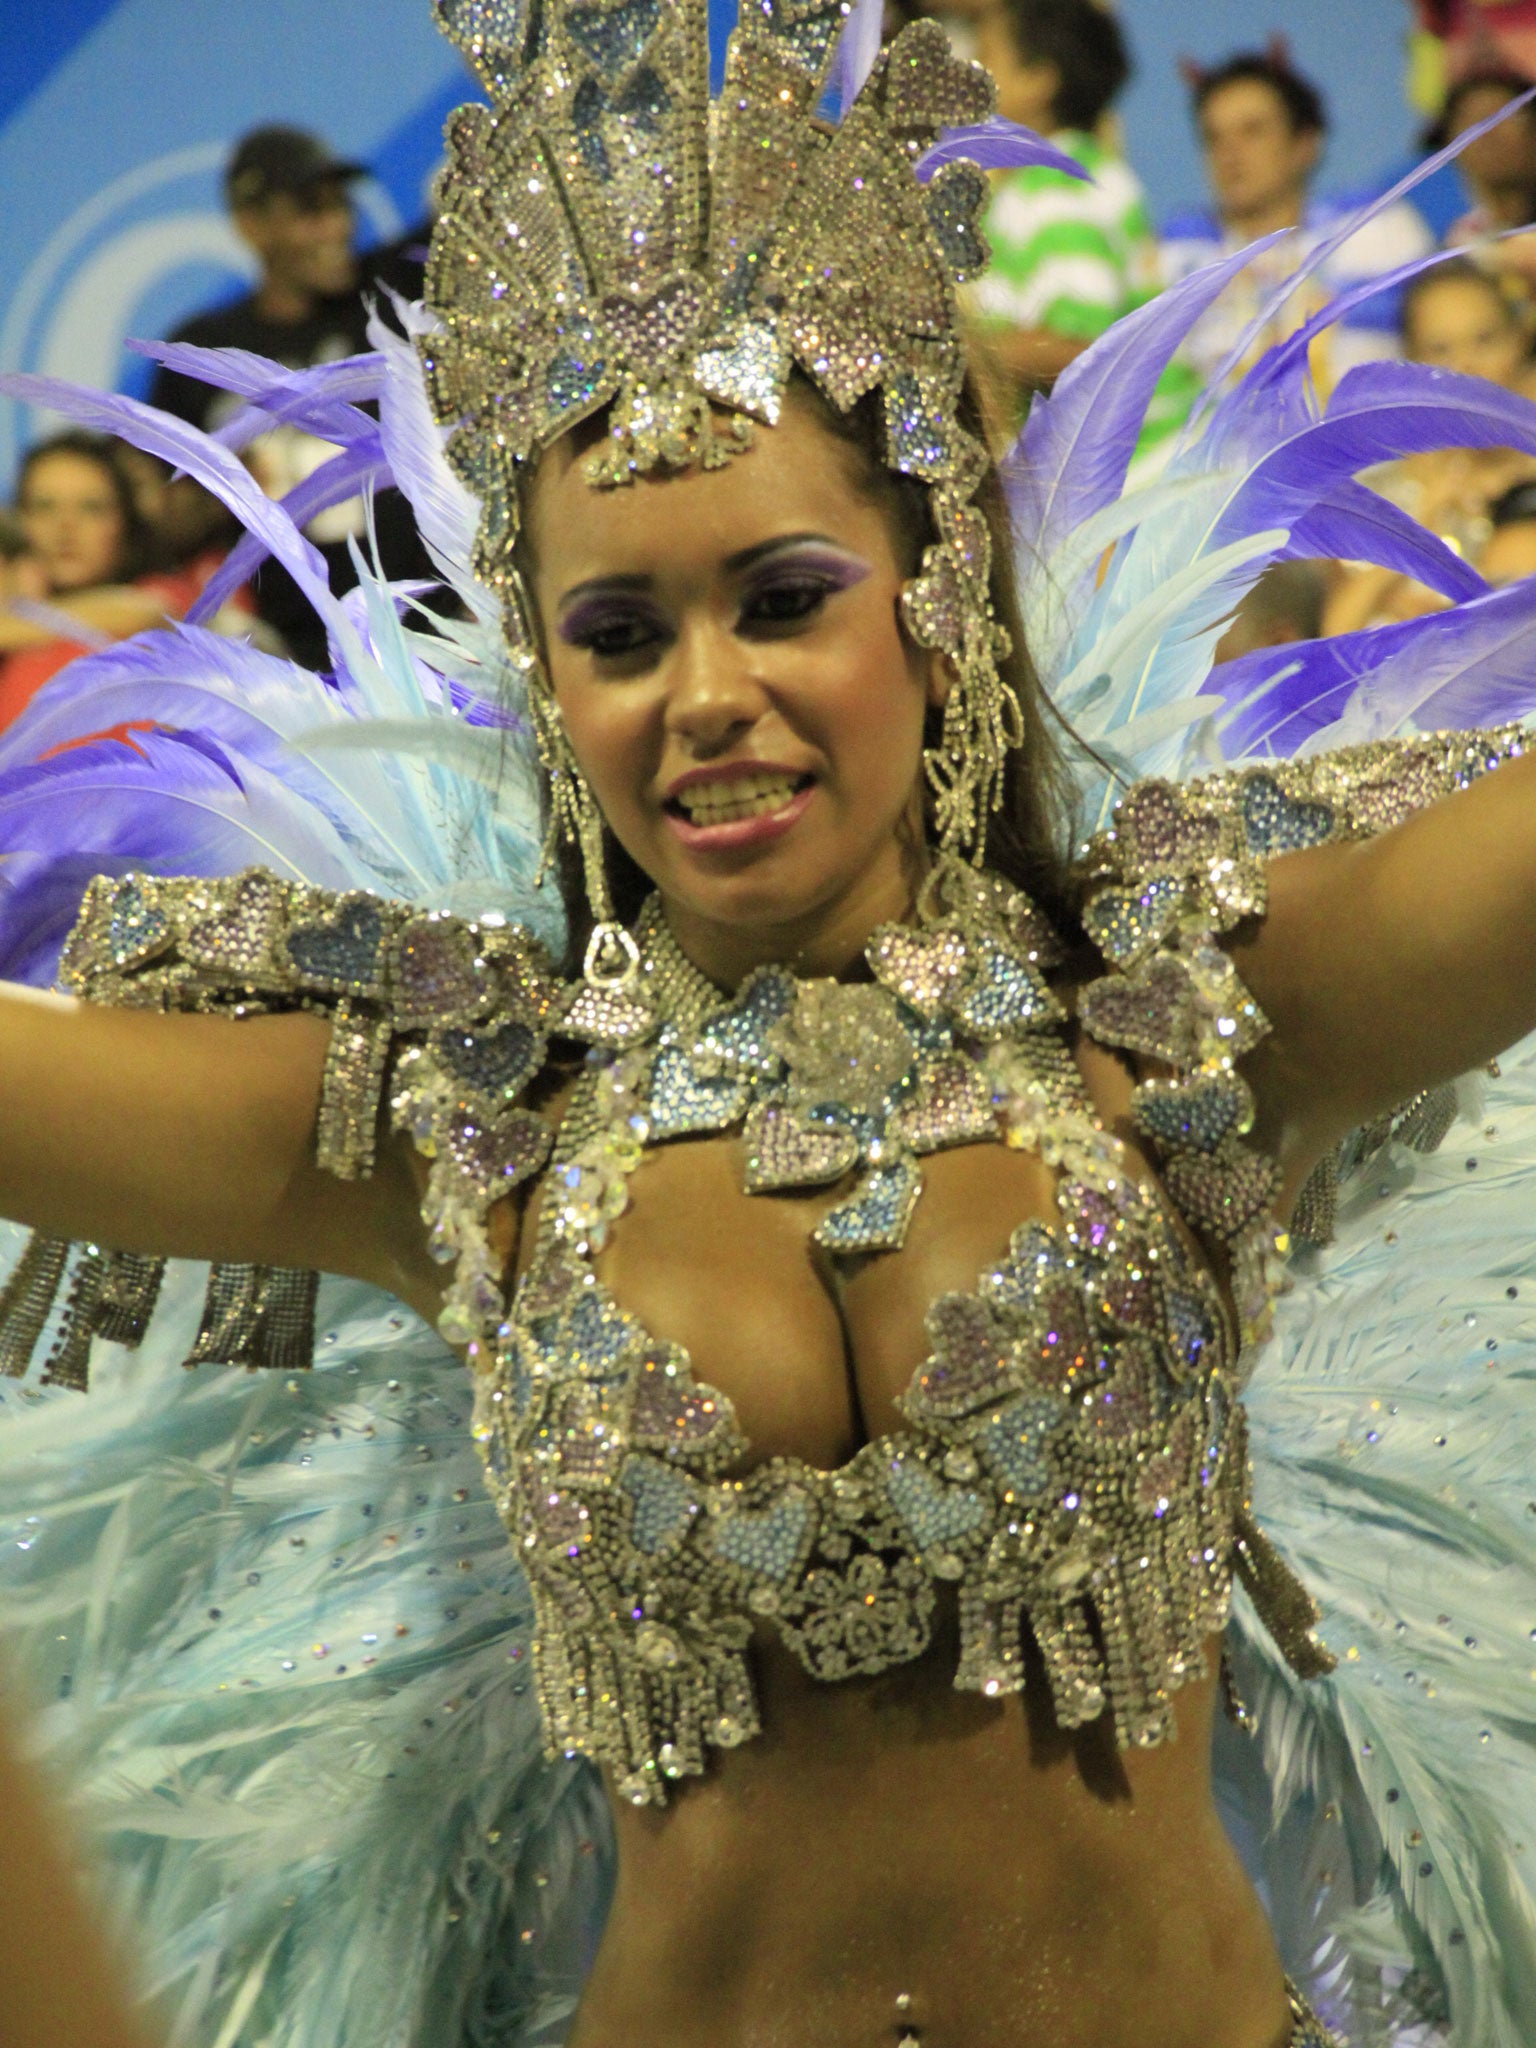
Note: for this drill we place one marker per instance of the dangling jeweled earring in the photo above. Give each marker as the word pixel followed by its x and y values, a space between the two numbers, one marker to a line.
pixel 947 607
pixel 610 1006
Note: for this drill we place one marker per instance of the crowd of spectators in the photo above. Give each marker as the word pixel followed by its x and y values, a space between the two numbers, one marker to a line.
pixel 1069 260
pixel 101 542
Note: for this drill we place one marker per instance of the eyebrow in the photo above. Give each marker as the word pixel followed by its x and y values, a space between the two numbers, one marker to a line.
pixel 735 564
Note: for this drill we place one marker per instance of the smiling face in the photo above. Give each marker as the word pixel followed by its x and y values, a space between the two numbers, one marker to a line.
pixel 303 240
pixel 727 655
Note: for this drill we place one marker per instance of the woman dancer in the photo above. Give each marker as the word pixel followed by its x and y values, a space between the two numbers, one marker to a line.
pixel 918 1572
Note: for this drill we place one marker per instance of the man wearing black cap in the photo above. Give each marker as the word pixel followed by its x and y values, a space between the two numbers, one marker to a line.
pixel 290 201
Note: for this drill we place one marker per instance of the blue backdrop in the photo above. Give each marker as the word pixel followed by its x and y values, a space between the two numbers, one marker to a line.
pixel 116 117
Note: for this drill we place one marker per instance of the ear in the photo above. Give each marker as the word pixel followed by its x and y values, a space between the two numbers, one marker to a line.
pixel 1045 82
pixel 250 223
pixel 938 679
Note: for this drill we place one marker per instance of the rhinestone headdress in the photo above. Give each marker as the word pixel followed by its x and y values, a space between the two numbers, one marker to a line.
pixel 609 238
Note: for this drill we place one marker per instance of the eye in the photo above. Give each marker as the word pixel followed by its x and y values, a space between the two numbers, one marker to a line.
pixel 787 601
pixel 611 635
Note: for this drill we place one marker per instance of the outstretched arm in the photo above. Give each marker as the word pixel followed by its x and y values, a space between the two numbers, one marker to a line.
pixel 1394 964
pixel 59 1985
pixel 192 1136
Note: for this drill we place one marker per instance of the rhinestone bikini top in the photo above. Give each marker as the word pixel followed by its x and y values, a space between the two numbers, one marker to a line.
pixel 1073 1463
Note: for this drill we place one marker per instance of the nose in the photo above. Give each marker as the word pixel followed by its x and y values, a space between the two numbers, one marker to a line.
pixel 714 694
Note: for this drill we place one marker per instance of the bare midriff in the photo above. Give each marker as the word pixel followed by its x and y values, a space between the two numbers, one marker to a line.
pixel 895 1860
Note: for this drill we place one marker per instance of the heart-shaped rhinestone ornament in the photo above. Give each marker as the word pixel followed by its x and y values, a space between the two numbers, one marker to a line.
pixel 952 1105
pixel 748 372
pixel 1014 1443
pixel 501 1156
pixel 1277 823
pixel 937 1516
pixel 1152 1011
pixel 1126 923
pixel 736 1040
pixel 1376 806
pixel 1060 1346
pixel 954 202
pixel 137 927
pixel 664 1504
pixel 772 1543
pixel 674 1415
pixel 683 1101
pixel 1161 825
pixel 1194 1115
pixel 929 87
pixel 658 327
pixel 923 968
pixel 1006 995
pixel 237 939
pixel 496 1063
pixel 343 952
pixel 1222 1194
pixel 971 1364
pixel 789 1151
pixel 876 1215
pixel 438 973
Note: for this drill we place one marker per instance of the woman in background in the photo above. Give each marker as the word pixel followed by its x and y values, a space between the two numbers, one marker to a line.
pixel 87 569
pixel 1466 319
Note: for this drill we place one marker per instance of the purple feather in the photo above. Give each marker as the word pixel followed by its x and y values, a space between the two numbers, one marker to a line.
pixel 169 803
pixel 1329 246
pixel 1354 524
pixel 342 477
pixel 183 680
pixel 998 145
pixel 1276 393
pixel 444 511
pixel 1380 412
pixel 1072 457
pixel 316 399
pixel 858 49
pixel 1288 358
pixel 202 459
pixel 1474 665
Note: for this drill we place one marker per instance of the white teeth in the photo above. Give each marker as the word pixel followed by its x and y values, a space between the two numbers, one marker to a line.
pixel 742 796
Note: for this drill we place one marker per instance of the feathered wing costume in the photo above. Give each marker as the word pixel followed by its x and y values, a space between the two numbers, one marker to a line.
pixel 281 1641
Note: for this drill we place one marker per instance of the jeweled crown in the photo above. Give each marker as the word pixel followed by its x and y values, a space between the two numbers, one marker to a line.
pixel 611 239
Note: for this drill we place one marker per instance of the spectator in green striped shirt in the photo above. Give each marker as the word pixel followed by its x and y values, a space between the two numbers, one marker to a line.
pixel 1068 258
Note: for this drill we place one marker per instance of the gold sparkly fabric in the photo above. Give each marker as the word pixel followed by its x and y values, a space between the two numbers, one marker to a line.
pixel 1308 2030
pixel 1183 865
pixel 464 1008
pixel 1073 1462
pixel 609 239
